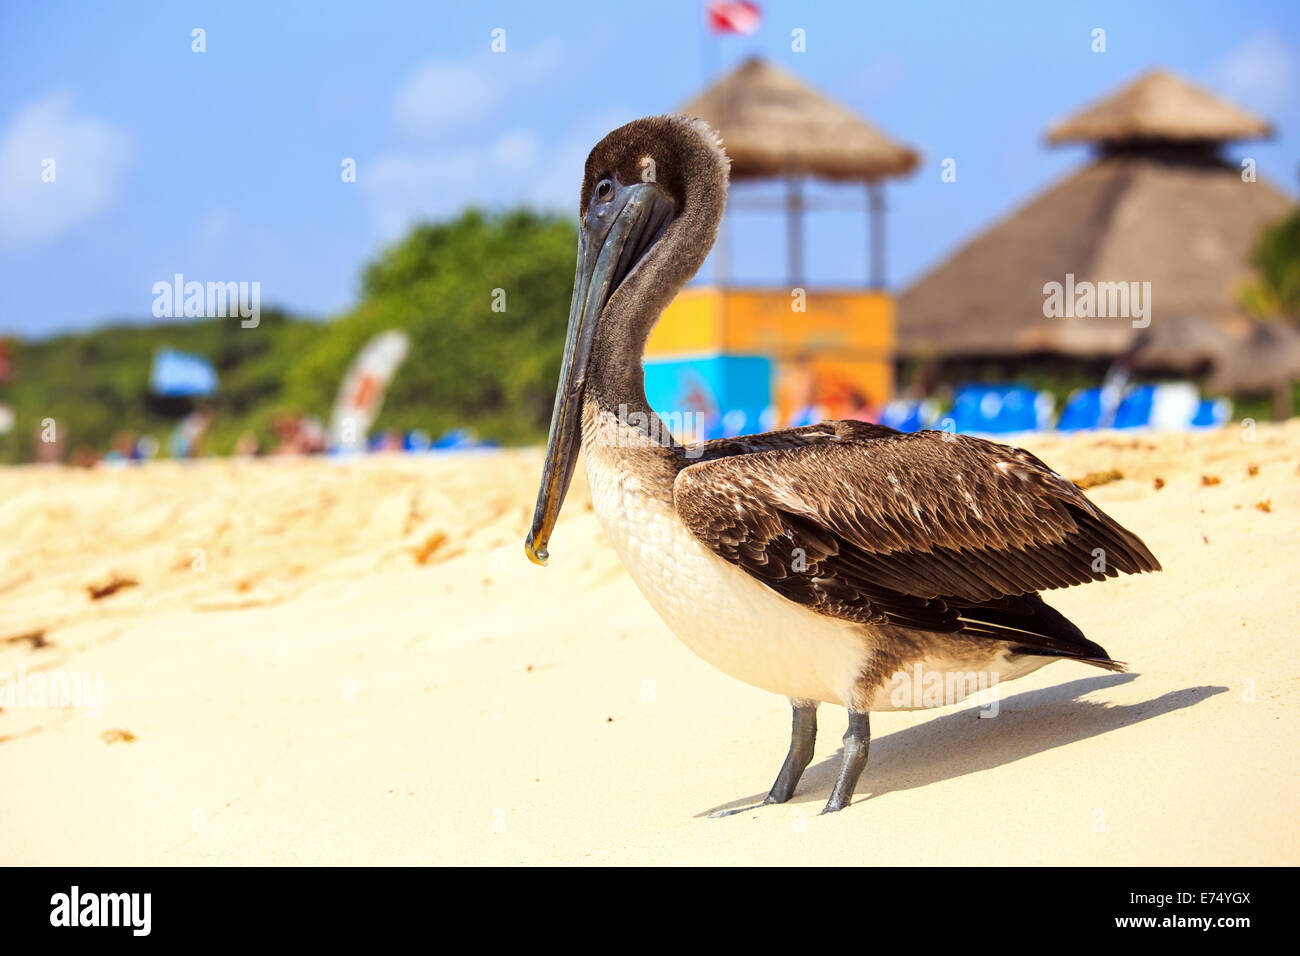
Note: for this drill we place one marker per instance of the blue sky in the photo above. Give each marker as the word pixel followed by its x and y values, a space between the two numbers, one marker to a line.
pixel 225 165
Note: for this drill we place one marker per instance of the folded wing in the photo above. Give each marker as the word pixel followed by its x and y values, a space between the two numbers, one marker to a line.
pixel 927 530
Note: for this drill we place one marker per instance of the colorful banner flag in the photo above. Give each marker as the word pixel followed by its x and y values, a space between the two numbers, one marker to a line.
pixel 362 392
pixel 734 16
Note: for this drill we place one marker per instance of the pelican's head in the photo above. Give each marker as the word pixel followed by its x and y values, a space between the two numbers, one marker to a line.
pixel 652 197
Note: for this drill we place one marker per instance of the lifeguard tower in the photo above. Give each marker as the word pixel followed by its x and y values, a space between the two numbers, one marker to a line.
pixel 744 359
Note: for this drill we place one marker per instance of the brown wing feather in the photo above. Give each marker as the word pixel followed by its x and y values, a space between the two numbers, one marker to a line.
pixel 799 437
pixel 927 530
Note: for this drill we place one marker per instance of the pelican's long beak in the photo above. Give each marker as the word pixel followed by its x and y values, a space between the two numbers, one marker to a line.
pixel 614 236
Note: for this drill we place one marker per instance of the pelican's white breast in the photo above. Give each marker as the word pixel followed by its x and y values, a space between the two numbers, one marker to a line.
pixel 721 613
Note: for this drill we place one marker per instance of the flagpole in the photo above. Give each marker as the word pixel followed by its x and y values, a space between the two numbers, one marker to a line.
pixel 710 67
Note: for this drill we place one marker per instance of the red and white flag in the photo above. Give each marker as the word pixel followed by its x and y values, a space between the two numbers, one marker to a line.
pixel 734 16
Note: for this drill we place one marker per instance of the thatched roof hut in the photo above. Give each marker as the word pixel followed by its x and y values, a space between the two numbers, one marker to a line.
pixel 1233 355
pixel 1158 205
pixel 1159 106
pixel 1188 345
pixel 1265 360
pixel 773 124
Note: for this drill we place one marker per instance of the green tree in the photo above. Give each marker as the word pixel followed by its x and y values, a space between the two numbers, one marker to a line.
pixel 1276 254
pixel 484 299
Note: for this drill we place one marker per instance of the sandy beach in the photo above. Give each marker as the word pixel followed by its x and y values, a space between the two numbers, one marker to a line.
pixel 313 662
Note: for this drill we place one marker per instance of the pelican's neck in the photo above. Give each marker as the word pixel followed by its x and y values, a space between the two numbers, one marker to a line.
pixel 619 424
pixel 615 378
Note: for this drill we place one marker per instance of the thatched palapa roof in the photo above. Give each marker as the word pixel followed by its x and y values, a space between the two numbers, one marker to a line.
pixel 1268 356
pixel 773 124
pixel 1189 345
pixel 1178 217
pixel 1186 229
pixel 1159 106
pixel 1235 355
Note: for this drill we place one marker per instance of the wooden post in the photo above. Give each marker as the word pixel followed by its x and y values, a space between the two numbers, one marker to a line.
pixel 876 238
pixel 1282 400
pixel 722 253
pixel 794 230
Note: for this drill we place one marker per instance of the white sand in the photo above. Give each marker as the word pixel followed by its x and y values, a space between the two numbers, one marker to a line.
pixel 304 690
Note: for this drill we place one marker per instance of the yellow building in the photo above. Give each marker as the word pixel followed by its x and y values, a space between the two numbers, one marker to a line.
pixel 824 352
pixel 831 349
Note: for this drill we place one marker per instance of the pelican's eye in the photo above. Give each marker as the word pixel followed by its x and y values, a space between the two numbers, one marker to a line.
pixel 604 189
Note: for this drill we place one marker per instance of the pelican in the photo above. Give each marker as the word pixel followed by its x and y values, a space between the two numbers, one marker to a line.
pixel 820 562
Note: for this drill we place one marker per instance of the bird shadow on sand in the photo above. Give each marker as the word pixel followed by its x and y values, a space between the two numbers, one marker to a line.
pixel 962 743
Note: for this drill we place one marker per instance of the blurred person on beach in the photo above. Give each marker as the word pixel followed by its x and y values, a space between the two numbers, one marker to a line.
pixel 187 440
pixel 121 449
pixel 247 445
pixel 83 456
pixel 47 444
pixel 389 440
pixel 299 434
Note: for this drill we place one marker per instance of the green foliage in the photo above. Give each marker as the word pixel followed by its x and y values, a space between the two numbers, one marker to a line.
pixel 95 384
pixel 469 365
pixel 1276 254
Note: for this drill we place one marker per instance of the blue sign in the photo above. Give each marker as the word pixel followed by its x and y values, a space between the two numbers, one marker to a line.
pixel 181 375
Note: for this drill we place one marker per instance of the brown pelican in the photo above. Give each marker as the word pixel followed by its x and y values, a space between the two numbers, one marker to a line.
pixel 819 562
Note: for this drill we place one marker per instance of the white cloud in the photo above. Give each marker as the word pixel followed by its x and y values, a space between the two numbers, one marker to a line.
pixel 515 151
pixel 486 166
pixel 405 187
pixel 1261 74
pixel 514 168
pixel 442 94
pixel 445 94
pixel 90 158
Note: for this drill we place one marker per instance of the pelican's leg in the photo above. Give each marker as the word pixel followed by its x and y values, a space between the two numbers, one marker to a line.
pixel 803 735
pixel 856 741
